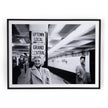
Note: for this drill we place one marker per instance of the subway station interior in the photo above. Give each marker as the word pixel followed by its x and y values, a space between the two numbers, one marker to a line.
pixel 65 44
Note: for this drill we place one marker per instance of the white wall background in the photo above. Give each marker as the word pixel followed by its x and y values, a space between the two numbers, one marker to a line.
pixel 70 65
pixel 53 98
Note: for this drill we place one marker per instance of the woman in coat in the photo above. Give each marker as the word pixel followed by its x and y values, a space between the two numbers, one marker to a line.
pixel 37 74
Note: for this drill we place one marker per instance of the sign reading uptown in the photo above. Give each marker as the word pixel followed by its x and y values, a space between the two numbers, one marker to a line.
pixel 38 44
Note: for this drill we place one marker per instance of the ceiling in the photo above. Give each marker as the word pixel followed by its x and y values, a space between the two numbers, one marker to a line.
pixel 20 38
pixel 71 38
pixel 62 38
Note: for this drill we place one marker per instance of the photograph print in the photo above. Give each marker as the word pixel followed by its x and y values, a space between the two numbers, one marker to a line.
pixel 53 53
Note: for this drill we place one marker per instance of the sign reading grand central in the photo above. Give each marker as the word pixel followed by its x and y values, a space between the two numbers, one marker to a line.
pixel 38 44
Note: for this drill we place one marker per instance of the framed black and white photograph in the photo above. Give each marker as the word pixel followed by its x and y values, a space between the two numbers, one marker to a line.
pixel 53 53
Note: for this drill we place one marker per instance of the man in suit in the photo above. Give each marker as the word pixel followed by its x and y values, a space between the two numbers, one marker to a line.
pixel 82 77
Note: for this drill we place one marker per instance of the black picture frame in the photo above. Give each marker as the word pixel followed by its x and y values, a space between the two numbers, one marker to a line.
pixel 99 53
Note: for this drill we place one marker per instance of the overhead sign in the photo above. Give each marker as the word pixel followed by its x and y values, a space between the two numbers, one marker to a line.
pixel 38 44
pixel 38 37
